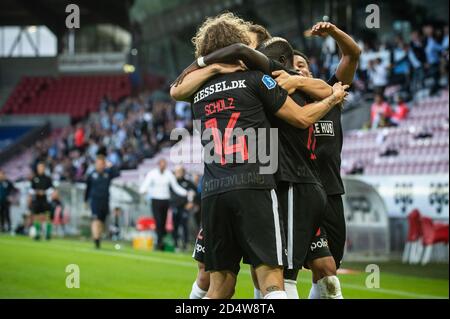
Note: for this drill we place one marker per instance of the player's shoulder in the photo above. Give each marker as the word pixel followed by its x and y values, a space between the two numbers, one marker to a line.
pixel 261 79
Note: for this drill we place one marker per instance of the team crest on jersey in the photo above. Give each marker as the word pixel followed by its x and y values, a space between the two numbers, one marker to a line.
pixel 269 82
pixel 324 128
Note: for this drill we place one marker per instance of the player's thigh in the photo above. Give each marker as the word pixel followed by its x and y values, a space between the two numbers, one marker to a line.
pixel 199 248
pixel 307 204
pixel 221 249
pixel 258 227
pixel 334 225
pixel 222 285
pixel 318 248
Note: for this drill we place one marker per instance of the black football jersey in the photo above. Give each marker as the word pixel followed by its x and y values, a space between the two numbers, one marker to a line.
pixel 329 137
pixel 297 158
pixel 235 130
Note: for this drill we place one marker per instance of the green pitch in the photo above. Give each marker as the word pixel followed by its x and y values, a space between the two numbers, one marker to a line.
pixel 31 269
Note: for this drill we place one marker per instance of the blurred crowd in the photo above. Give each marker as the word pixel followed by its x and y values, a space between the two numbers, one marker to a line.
pixel 406 61
pixel 390 73
pixel 125 132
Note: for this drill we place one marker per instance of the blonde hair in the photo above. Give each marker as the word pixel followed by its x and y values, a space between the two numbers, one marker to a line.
pixel 218 32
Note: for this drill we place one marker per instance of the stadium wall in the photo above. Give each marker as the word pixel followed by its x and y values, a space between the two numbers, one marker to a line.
pixel 15 68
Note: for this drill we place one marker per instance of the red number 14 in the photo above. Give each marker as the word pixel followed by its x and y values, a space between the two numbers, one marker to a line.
pixel 223 148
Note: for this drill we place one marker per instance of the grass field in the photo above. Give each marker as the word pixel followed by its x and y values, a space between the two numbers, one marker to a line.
pixel 31 269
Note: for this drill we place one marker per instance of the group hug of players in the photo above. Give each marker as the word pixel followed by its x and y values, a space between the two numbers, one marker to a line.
pixel 277 223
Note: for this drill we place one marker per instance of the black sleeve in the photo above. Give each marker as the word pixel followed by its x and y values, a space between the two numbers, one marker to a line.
pixel 271 94
pixel 253 59
pixel 49 183
pixel 114 172
pixel 277 66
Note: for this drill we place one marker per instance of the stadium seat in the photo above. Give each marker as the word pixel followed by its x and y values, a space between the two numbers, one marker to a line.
pixel 413 241
pixel 434 234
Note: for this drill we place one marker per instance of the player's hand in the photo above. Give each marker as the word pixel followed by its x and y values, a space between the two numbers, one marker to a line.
pixel 222 68
pixel 322 29
pixel 286 81
pixel 191 68
pixel 189 206
pixel 339 91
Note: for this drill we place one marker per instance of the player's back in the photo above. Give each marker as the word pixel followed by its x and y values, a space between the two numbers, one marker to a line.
pixel 232 109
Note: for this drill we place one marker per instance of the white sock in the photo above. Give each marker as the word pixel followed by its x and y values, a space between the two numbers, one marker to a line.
pixel 279 294
pixel 197 292
pixel 206 298
pixel 314 293
pixel 330 288
pixel 257 294
pixel 290 286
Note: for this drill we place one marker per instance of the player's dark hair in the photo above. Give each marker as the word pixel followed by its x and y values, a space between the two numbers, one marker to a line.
pixel 297 52
pixel 262 34
pixel 278 49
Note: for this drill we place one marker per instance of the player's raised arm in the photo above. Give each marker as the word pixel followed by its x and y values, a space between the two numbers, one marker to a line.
pixel 192 78
pixel 349 49
pixel 304 117
pixel 315 88
pixel 231 54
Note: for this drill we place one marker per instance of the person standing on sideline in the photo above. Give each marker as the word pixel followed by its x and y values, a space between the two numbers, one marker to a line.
pixel 97 195
pixel 181 209
pixel 41 187
pixel 6 189
pixel 157 185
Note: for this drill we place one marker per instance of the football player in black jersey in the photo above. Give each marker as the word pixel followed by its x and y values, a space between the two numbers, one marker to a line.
pixel 41 187
pixel 327 248
pixel 257 250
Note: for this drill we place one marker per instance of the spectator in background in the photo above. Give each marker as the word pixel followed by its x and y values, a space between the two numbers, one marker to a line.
pixel 400 111
pixel 445 39
pixel 378 75
pixel 445 54
pixel 197 180
pixel 79 137
pixel 400 63
pixel 41 186
pixel 433 51
pixel 157 185
pixel 181 209
pixel 6 190
pixel 114 228
pixel 97 195
pixel 314 67
pixel 57 213
pixel 418 60
pixel 380 112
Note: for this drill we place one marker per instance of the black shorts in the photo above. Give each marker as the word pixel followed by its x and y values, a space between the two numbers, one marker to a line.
pixel 100 210
pixel 40 206
pixel 199 248
pixel 302 207
pixel 242 224
pixel 330 238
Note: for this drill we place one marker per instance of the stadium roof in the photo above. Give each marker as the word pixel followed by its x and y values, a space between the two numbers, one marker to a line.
pixel 51 13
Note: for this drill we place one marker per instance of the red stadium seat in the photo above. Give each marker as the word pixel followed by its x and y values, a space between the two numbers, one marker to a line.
pixel 433 234
pixel 413 246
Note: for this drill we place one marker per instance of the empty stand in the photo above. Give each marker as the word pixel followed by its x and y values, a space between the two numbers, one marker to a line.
pixel 74 95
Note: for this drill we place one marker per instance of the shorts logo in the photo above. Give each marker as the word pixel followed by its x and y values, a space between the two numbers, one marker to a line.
pixel 269 82
pixel 319 244
pixel 199 248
